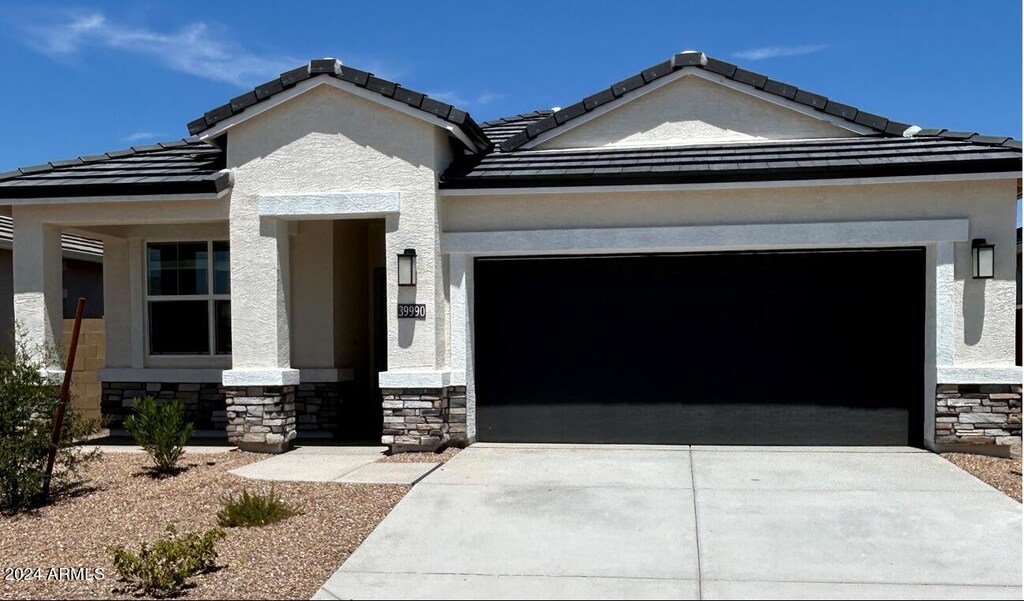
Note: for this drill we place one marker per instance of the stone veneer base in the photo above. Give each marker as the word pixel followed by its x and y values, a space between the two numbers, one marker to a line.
pixel 204 401
pixel 978 415
pixel 424 418
pixel 261 419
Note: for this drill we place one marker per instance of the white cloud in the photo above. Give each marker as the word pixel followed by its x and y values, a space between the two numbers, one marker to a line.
pixel 196 49
pixel 457 99
pixel 766 52
pixel 142 136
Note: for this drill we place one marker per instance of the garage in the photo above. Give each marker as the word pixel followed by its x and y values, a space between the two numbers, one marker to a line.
pixel 770 348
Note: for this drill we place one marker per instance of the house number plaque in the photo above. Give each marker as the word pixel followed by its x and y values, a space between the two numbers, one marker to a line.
pixel 412 311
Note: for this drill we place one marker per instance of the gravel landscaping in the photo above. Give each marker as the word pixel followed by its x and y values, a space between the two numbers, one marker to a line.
pixel 428 457
pixel 999 472
pixel 122 505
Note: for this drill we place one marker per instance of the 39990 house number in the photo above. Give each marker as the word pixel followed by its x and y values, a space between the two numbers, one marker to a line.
pixel 412 311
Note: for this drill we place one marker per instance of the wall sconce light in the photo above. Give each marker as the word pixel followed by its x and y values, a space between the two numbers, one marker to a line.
pixel 983 258
pixel 407 267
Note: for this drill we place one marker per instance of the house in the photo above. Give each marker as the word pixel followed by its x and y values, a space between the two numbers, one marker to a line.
pixel 81 277
pixel 695 254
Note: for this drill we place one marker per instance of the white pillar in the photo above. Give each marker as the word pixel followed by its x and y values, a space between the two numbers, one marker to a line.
pixel 260 303
pixel 38 306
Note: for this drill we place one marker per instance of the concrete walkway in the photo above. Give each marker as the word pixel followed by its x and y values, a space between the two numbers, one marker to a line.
pixel 560 521
pixel 357 465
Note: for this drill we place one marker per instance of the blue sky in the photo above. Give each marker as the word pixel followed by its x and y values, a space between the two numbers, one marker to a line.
pixel 82 79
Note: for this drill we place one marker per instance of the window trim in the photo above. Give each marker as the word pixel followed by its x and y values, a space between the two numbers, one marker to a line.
pixel 210 297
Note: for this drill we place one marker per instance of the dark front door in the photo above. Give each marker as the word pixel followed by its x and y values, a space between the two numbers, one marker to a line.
pixel 785 348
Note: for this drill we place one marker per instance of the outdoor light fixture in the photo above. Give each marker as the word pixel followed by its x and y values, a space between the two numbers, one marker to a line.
pixel 407 267
pixel 983 258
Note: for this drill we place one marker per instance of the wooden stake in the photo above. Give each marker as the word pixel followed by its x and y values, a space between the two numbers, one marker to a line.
pixel 62 403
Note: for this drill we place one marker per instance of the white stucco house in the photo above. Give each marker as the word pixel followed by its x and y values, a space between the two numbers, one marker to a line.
pixel 695 254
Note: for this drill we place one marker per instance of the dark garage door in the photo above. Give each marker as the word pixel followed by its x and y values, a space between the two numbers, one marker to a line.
pixel 790 348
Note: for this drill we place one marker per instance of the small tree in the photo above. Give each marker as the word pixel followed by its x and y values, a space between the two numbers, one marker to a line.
pixel 161 430
pixel 28 402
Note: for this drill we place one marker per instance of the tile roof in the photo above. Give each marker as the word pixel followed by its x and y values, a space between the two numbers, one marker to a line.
pixel 330 67
pixel 504 128
pixel 70 243
pixel 731 162
pixel 180 167
pixel 755 80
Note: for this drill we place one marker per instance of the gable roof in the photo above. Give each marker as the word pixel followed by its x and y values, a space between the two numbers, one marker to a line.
pixel 187 166
pixel 698 60
pixel 329 67
pixel 832 158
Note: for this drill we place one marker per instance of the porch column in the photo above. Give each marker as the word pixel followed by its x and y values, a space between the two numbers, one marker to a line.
pixel 261 383
pixel 38 307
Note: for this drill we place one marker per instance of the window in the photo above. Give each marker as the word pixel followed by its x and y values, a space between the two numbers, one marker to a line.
pixel 188 298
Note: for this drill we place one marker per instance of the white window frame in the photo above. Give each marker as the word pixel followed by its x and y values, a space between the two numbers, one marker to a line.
pixel 210 297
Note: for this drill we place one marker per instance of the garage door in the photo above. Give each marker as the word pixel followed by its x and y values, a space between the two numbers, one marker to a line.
pixel 793 348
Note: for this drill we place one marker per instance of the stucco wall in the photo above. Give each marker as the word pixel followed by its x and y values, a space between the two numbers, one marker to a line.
pixel 328 140
pixel 984 309
pixel 312 286
pixel 693 110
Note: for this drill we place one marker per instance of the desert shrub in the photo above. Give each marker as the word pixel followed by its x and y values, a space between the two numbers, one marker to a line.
pixel 28 404
pixel 161 430
pixel 253 510
pixel 163 567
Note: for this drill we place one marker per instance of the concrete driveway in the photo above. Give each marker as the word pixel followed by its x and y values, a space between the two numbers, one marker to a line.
pixel 563 521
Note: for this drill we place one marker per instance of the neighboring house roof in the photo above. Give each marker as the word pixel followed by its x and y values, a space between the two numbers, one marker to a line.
pixel 74 247
pixel 180 167
pixel 732 162
pixel 504 128
pixel 329 67
pixel 755 80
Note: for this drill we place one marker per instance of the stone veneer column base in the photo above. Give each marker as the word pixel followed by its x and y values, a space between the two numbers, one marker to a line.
pixel 261 419
pixel 420 419
pixel 981 415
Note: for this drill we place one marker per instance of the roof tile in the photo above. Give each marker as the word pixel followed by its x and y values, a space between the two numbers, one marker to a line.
pixel 841 110
pixel 353 75
pixel 716 66
pixel 290 78
pixel 595 100
pixel 268 89
pixel 659 70
pixel 413 99
pixel 240 103
pixel 750 78
pixel 381 86
pixel 689 58
pixel 569 112
pixel 627 85
pixel 780 89
pixel 810 99
pixel 324 65
pixel 871 120
pixel 436 107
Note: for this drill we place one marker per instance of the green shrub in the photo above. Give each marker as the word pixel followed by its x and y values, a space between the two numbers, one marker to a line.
pixel 163 568
pixel 161 430
pixel 28 402
pixel 253 510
